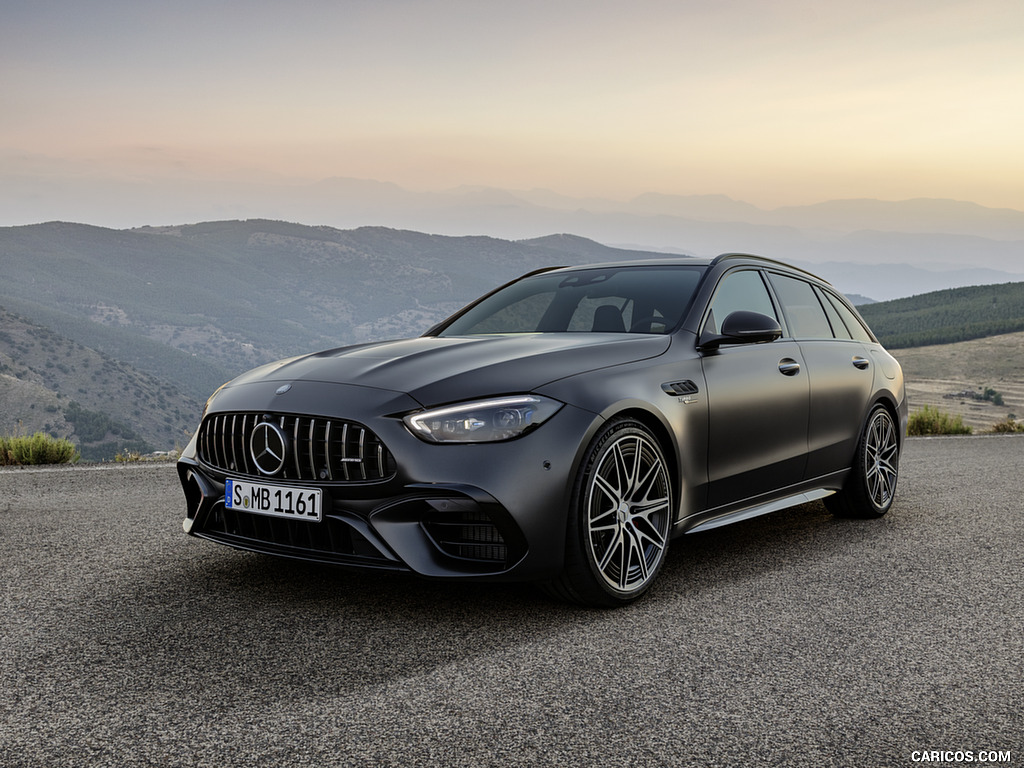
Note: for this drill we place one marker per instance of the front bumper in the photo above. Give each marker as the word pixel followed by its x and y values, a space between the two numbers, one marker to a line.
pixel 493 511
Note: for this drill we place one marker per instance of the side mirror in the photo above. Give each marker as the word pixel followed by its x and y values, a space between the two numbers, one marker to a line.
pixel 743 328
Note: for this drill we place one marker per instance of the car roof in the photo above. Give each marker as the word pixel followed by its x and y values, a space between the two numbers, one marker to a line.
pixel 693 261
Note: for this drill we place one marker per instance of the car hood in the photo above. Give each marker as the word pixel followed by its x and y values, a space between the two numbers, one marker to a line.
pixel 436 370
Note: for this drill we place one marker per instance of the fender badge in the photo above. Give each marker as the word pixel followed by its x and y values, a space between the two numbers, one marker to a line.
pixel 282 389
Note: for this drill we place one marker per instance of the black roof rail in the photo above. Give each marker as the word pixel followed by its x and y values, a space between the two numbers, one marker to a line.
pixel 754 257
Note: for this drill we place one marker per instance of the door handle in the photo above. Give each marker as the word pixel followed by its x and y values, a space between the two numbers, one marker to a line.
pixel 789 367
pixel 861 362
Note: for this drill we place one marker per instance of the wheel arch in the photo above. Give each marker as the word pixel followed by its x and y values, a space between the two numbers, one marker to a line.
pixel 888 401
pixel 587 576
pixel 662 432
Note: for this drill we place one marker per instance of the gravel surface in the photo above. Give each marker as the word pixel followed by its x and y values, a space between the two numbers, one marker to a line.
pixel 791 640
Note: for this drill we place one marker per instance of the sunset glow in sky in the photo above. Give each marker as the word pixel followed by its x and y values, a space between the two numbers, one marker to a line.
pixel 775 103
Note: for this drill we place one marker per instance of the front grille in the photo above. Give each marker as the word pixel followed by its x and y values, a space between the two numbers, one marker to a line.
pixel 318 450
pixel 331 540
pixel 467 535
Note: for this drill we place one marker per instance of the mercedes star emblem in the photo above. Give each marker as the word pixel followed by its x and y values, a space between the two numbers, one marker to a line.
pixel 267 446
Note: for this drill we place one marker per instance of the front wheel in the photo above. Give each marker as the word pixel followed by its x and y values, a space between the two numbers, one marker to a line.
pixel 620 518
pixel 871 486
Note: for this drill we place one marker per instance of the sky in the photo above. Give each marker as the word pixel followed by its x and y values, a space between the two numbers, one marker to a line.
pixel 774 103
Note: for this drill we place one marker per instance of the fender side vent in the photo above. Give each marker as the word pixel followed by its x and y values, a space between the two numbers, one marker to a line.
pixel 680 388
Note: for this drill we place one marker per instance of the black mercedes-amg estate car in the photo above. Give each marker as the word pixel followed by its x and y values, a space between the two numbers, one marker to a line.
pixel 561 429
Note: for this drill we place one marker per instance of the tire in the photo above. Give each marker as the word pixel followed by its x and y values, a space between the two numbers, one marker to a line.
pixel 619 520
pixel 871 485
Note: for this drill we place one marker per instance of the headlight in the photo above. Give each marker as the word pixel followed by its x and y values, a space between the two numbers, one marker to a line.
pixel 483 421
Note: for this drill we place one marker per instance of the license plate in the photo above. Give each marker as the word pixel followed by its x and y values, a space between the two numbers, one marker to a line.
pixel 274 500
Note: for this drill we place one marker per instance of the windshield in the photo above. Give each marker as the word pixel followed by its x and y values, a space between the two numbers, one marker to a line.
pixel 602 300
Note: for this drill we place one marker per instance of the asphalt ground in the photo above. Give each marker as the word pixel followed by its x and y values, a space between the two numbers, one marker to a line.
pixel 794 639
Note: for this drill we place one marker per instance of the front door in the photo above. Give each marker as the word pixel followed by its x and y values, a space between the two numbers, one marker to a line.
pixel 758 400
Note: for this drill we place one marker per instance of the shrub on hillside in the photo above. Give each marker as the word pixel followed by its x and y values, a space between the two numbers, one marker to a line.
pixel 1007 426
pixel 931 421
pixel 37 449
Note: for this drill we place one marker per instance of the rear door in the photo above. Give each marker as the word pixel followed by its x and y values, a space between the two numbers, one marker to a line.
pixel 839 371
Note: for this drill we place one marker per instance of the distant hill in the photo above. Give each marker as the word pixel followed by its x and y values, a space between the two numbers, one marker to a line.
pixel 859 300
pixel 51 384
pixel 231 295
pixel 949 316
pixel 115 338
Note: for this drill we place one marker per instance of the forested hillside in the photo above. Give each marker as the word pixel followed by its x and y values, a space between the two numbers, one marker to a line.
pixel 945 317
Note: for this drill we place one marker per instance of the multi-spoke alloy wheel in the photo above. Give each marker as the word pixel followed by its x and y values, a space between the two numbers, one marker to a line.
pixel 621 518
pixel 627 512
pixel 881 459
pixel 870 489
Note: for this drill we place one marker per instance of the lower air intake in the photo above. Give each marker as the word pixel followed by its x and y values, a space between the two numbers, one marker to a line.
pixel 330 541
pixel 467 535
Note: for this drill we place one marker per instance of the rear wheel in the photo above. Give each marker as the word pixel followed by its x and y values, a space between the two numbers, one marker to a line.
pixel 871 486
pixel 620 518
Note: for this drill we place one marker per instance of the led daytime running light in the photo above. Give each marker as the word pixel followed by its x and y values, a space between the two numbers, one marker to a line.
pixel 483 421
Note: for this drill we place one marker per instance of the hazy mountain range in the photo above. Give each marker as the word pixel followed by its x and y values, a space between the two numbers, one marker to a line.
pixel 874 248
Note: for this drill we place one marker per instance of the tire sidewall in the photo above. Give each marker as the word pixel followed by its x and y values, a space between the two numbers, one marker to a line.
pixel 862 458
pixel 589 582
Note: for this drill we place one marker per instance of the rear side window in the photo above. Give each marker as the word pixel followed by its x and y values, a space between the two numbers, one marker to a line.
pixel 804 313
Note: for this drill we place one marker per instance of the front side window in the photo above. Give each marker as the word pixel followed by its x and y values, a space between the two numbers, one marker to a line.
pixel 739 291
pixel 604 300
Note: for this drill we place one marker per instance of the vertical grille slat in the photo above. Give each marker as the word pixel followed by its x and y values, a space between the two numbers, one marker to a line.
pixel 223 440
pixel 344 451
pixel 312 459
pixel 362 452
pixel 327 451
pixel 218 443
pixel 233 438
pixel 320 449
pixel 296 448
pixel 245 454
pixel 211 440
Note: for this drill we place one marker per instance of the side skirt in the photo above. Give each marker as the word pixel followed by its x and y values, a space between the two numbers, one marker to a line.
pixel 760 509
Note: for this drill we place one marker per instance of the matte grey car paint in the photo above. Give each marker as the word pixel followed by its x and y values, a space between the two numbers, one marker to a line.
pixel 745 428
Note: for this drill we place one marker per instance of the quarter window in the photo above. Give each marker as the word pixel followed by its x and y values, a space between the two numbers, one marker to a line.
pixel 835 320
pixel 853 323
